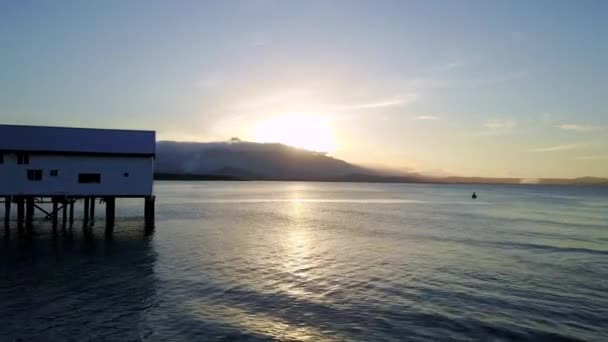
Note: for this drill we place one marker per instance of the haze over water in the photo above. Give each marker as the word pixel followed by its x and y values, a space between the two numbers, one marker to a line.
pixel 263 261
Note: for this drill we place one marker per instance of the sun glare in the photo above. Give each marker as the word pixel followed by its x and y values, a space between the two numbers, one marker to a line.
pixel 303 131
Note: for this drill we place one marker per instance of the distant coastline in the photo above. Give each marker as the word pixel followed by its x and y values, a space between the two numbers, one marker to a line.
pixel 238 160
pixel 191 177
pixel 590 181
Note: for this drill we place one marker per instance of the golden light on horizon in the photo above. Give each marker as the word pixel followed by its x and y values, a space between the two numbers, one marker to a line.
pixel 303 131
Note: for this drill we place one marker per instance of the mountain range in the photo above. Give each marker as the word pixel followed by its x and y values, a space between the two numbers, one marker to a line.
pixel 240 160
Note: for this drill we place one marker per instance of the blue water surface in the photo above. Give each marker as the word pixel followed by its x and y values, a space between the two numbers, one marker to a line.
pixel 295 261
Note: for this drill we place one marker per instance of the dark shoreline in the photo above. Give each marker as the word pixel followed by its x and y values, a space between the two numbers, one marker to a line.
pixel 376 179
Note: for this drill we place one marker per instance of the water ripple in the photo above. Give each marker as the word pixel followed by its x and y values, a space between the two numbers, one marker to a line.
pixel 318 261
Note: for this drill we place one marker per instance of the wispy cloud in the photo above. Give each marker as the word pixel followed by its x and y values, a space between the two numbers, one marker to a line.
pixel 285 96
pixel 497 79
pixel 452 65
pixel 496 127
pixel 578 127
pixel 449 66
pixel 556 148
pixel 595 157
pixel 389 102
pixel 426 117
pixel 500 124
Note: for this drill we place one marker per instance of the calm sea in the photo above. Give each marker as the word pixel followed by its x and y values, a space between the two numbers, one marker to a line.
pixel 291 261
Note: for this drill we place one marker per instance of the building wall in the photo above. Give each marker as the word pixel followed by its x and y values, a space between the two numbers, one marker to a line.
pixel 14 181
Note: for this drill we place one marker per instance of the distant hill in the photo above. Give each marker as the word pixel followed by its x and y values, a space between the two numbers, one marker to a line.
pixel 239 160
pixel 577 181
pixel 248 160
pixel 545 181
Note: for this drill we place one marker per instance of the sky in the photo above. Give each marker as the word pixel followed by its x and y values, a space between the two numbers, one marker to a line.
pixel 469 88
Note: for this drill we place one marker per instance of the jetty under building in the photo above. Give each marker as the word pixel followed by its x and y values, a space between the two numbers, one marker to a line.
pixel 62 165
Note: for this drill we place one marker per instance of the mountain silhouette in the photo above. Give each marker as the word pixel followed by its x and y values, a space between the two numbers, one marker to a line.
pixel 241 160
pixel 250 160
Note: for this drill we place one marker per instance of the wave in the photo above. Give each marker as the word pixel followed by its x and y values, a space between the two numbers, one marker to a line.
pixel 519 245
pixel 547 222
pixel 335 200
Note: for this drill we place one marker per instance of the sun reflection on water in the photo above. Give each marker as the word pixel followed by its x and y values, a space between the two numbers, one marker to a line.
pixel 255 322
pixel 297 264
pixel 298 259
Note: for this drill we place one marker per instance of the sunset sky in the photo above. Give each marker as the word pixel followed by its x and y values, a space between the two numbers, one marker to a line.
pixel 471 88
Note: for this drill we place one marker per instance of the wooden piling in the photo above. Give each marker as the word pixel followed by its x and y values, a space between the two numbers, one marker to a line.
pixel 110 212
pixel 149 211
pixel 92 208
pixel 64 213
pixel 20 211
pixel 55 213
pixel 29 211
pixel 85 219
pixel 7 211
pixel 71 212
pixel 27 205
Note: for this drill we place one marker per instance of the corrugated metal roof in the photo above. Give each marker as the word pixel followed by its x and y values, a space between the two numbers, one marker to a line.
pixel 76 140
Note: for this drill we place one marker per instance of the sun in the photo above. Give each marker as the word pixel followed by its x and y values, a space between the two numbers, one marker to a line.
pixel 303 131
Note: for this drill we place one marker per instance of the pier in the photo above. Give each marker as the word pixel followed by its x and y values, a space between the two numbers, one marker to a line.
pixel 62 210
pixel 47 170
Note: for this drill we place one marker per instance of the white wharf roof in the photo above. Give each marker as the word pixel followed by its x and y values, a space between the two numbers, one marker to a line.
pixel 76 140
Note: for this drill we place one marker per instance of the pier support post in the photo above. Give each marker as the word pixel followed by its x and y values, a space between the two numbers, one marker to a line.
pixel 29 211
pixel 92 208
pixel 20 211
pixel 85 219
pixel 55 213
pixel 110 212
pixel 64 210
pixel 72 212
pixel 149 211
pixel 7 211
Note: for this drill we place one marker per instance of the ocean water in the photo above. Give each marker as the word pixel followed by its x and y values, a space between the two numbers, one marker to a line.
pixel 292 261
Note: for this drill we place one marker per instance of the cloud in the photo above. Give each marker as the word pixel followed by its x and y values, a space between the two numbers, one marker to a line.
pixel 426 117
pixel 449 66
pixel 578 128
pixel 556 148
pixel 452 65
pixel 499 124
pixel 596 157
pixel 389 102
pixel 281 97
pixel 496 127
pixel 510 76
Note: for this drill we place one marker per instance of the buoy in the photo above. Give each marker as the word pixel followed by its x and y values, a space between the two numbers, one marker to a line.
pixel 474 196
